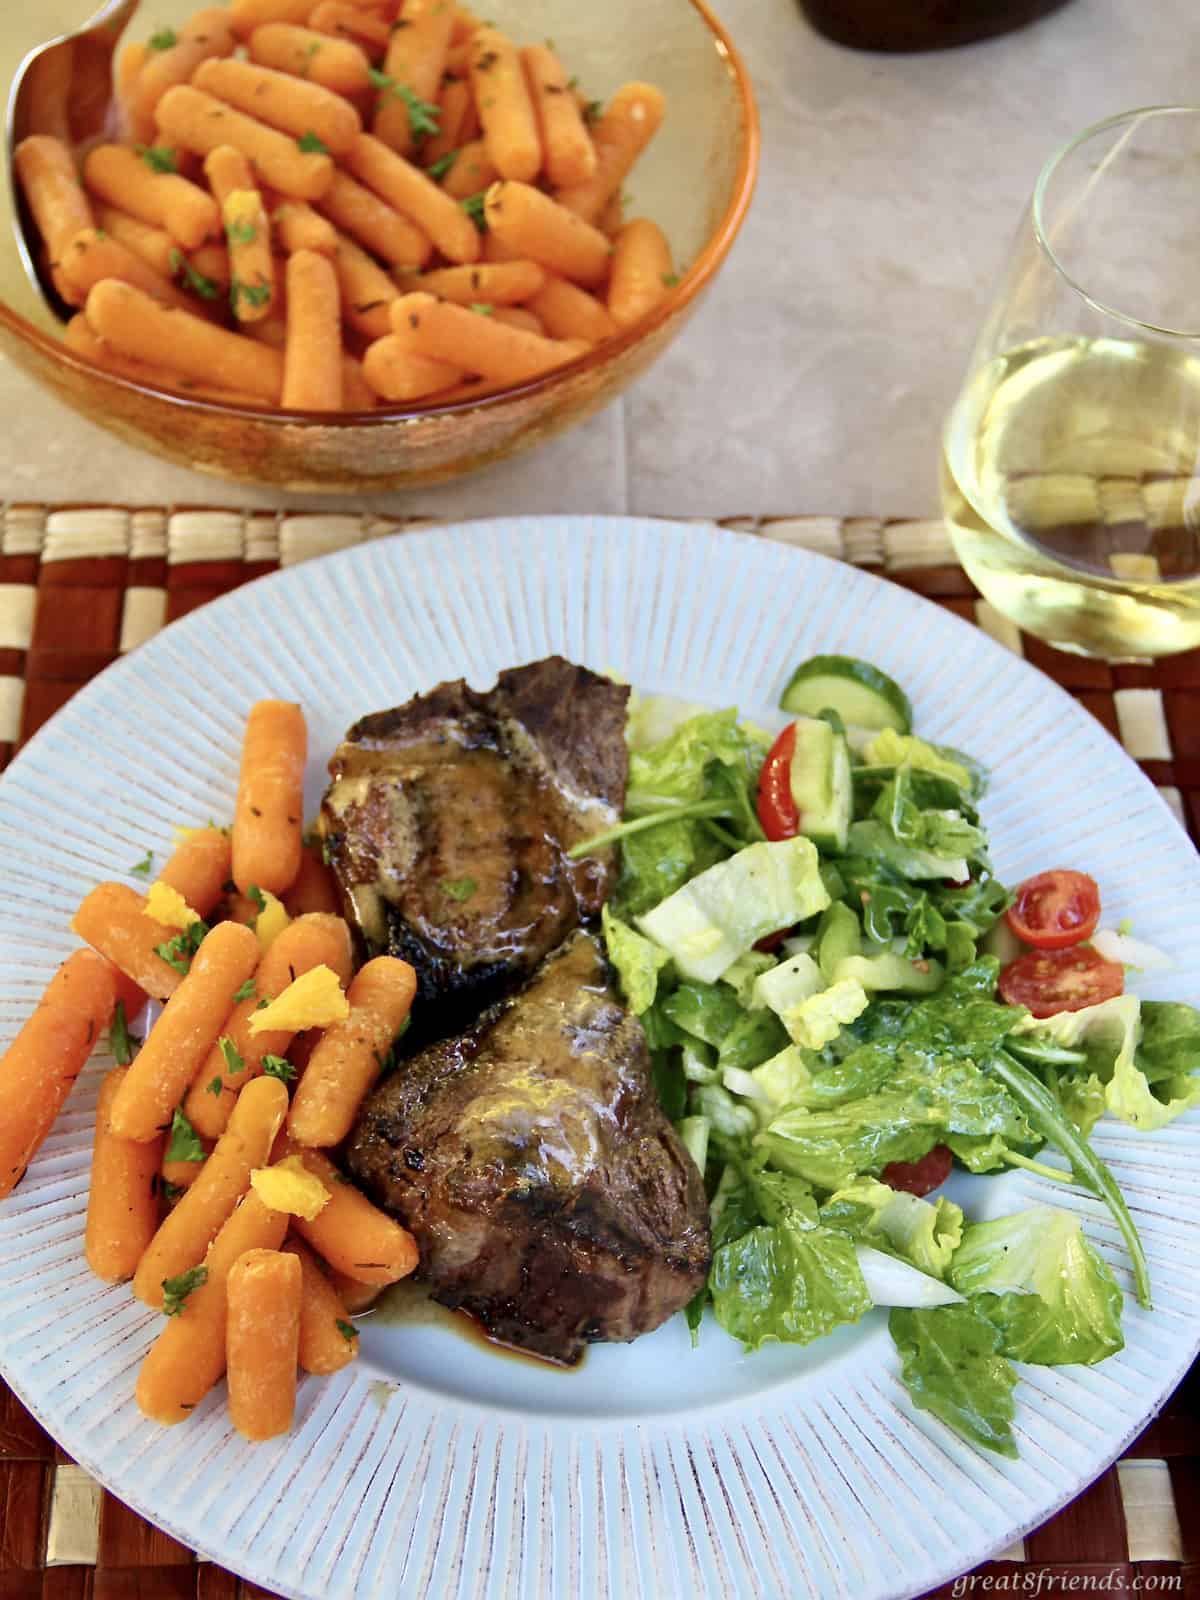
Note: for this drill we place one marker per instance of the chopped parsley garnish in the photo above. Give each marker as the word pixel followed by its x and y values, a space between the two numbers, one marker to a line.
pixel 572 83
pixel 184 1143
pixel 311 145
pixel 424 117
pixel 254 294
pixel 241 232
pixel 120 1044
pixel 347 1330
pixel 215 1086
pixel 442 166
pixel 459 889
pixel 593 111
pixel 482 310
pixel 158 157
pixel 197 283
pixel 164 39
pixel 233 1058
pixel 171 1191
pixel 386 1063
pixel 246 992
pixel 326 850
pixel 278 1067
pixel 473 206
pixel 143 868
pixel 670 279
pixel 176 1290
pixel 256 897
pixel 178 952
pixel 262 1004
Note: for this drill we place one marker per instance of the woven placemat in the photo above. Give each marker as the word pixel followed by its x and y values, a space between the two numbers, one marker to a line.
pixel 82 585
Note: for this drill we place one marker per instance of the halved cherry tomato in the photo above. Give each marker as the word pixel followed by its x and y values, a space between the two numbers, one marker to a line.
pixel 1054 910
pixel 770 942
pixel 920 1177
pixel 776 809
pixel 1050 981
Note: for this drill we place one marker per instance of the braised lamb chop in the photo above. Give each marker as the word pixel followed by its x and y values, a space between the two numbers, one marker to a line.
pixel 448 823
pixel 549 1195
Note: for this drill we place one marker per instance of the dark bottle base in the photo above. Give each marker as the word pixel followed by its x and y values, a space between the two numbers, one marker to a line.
pixel 920 24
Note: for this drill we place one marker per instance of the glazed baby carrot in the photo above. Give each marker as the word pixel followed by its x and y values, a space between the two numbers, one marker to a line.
pixel 157 195
pixel 312 372
pixel 197 121
pixel 531 223
pixel 642 273
pixel 510 126
pixel 92 256
pixel 247 15
pixel 339 65
pixel 349 1232
pixel 351 1054
pixel 139 327
pixel 182 1036
pixel 473 343
pixel 633 117
pixel 408 190
pixel 457 123
pixel 471 173
pixel 122 1212
pixel 237 1057
pixel 299 227
pixel 112 919
pixel 328 1342
pixel 45 169
pixel 519 317
pixel 185 1235
pixel 204 35
pixel 40 1066
pixel 570 156
pixel 406 111
pixel 367 29
pixel 199 868
pixel 288 103
pixel 398 374
pixel 251 265
pixel 154 246
pixel 508 283
pixel 355 1296
pixel 362 214
pixel 211 262
pixel 188 1357
pixel 262 1342
pixel 612 219
pixel 357 394
pixel 315 887
pixel 366 290
pixel 268 820
pixel 128 65
pixel 569 312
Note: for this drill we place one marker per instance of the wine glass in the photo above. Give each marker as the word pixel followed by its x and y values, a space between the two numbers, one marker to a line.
pixel 1070 470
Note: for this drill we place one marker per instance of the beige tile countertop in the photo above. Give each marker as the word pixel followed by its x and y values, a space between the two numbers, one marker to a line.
pixel 816 375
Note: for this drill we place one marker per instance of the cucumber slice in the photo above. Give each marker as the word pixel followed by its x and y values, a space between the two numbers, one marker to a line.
pixel 838 936
pixel 890 971
pixel 861 695
pixel 822 786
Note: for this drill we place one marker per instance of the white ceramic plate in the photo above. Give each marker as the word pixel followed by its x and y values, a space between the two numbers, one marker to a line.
pixel 433 1467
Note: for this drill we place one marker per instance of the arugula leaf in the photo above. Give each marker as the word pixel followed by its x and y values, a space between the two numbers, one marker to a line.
pixel 638 961
pixel 705 1010
pixel 755 1038
pixel 184 1142
pixel 660 860
pixel 177 1290
pixel 951 1365
pixel 1055 1299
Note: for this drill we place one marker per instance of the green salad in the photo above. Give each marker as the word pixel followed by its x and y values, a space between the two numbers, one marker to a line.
pixel 843 1003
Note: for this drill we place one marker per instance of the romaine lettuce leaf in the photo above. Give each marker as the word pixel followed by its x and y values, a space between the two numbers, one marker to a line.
pixel 707 1011
pixel 891 749
pixel 1170 1042
pixel 817 1021
pixel 659 860
pixel 753 1039
pixel 875 839
pixel 951 1365
pixel 831 1148
pixel 978 1154
pixel 708 757
pixel 637 960
pixel 716 917
pixel 925 1233
pixel 789 1280
pixel 1041 1255
pixel 744 972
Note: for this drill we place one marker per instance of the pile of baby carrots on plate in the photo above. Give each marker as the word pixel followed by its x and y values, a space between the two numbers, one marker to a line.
pixel 211 1187
pixel 328 204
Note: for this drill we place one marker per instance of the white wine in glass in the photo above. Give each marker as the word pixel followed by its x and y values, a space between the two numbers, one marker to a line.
pixel 1071 459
